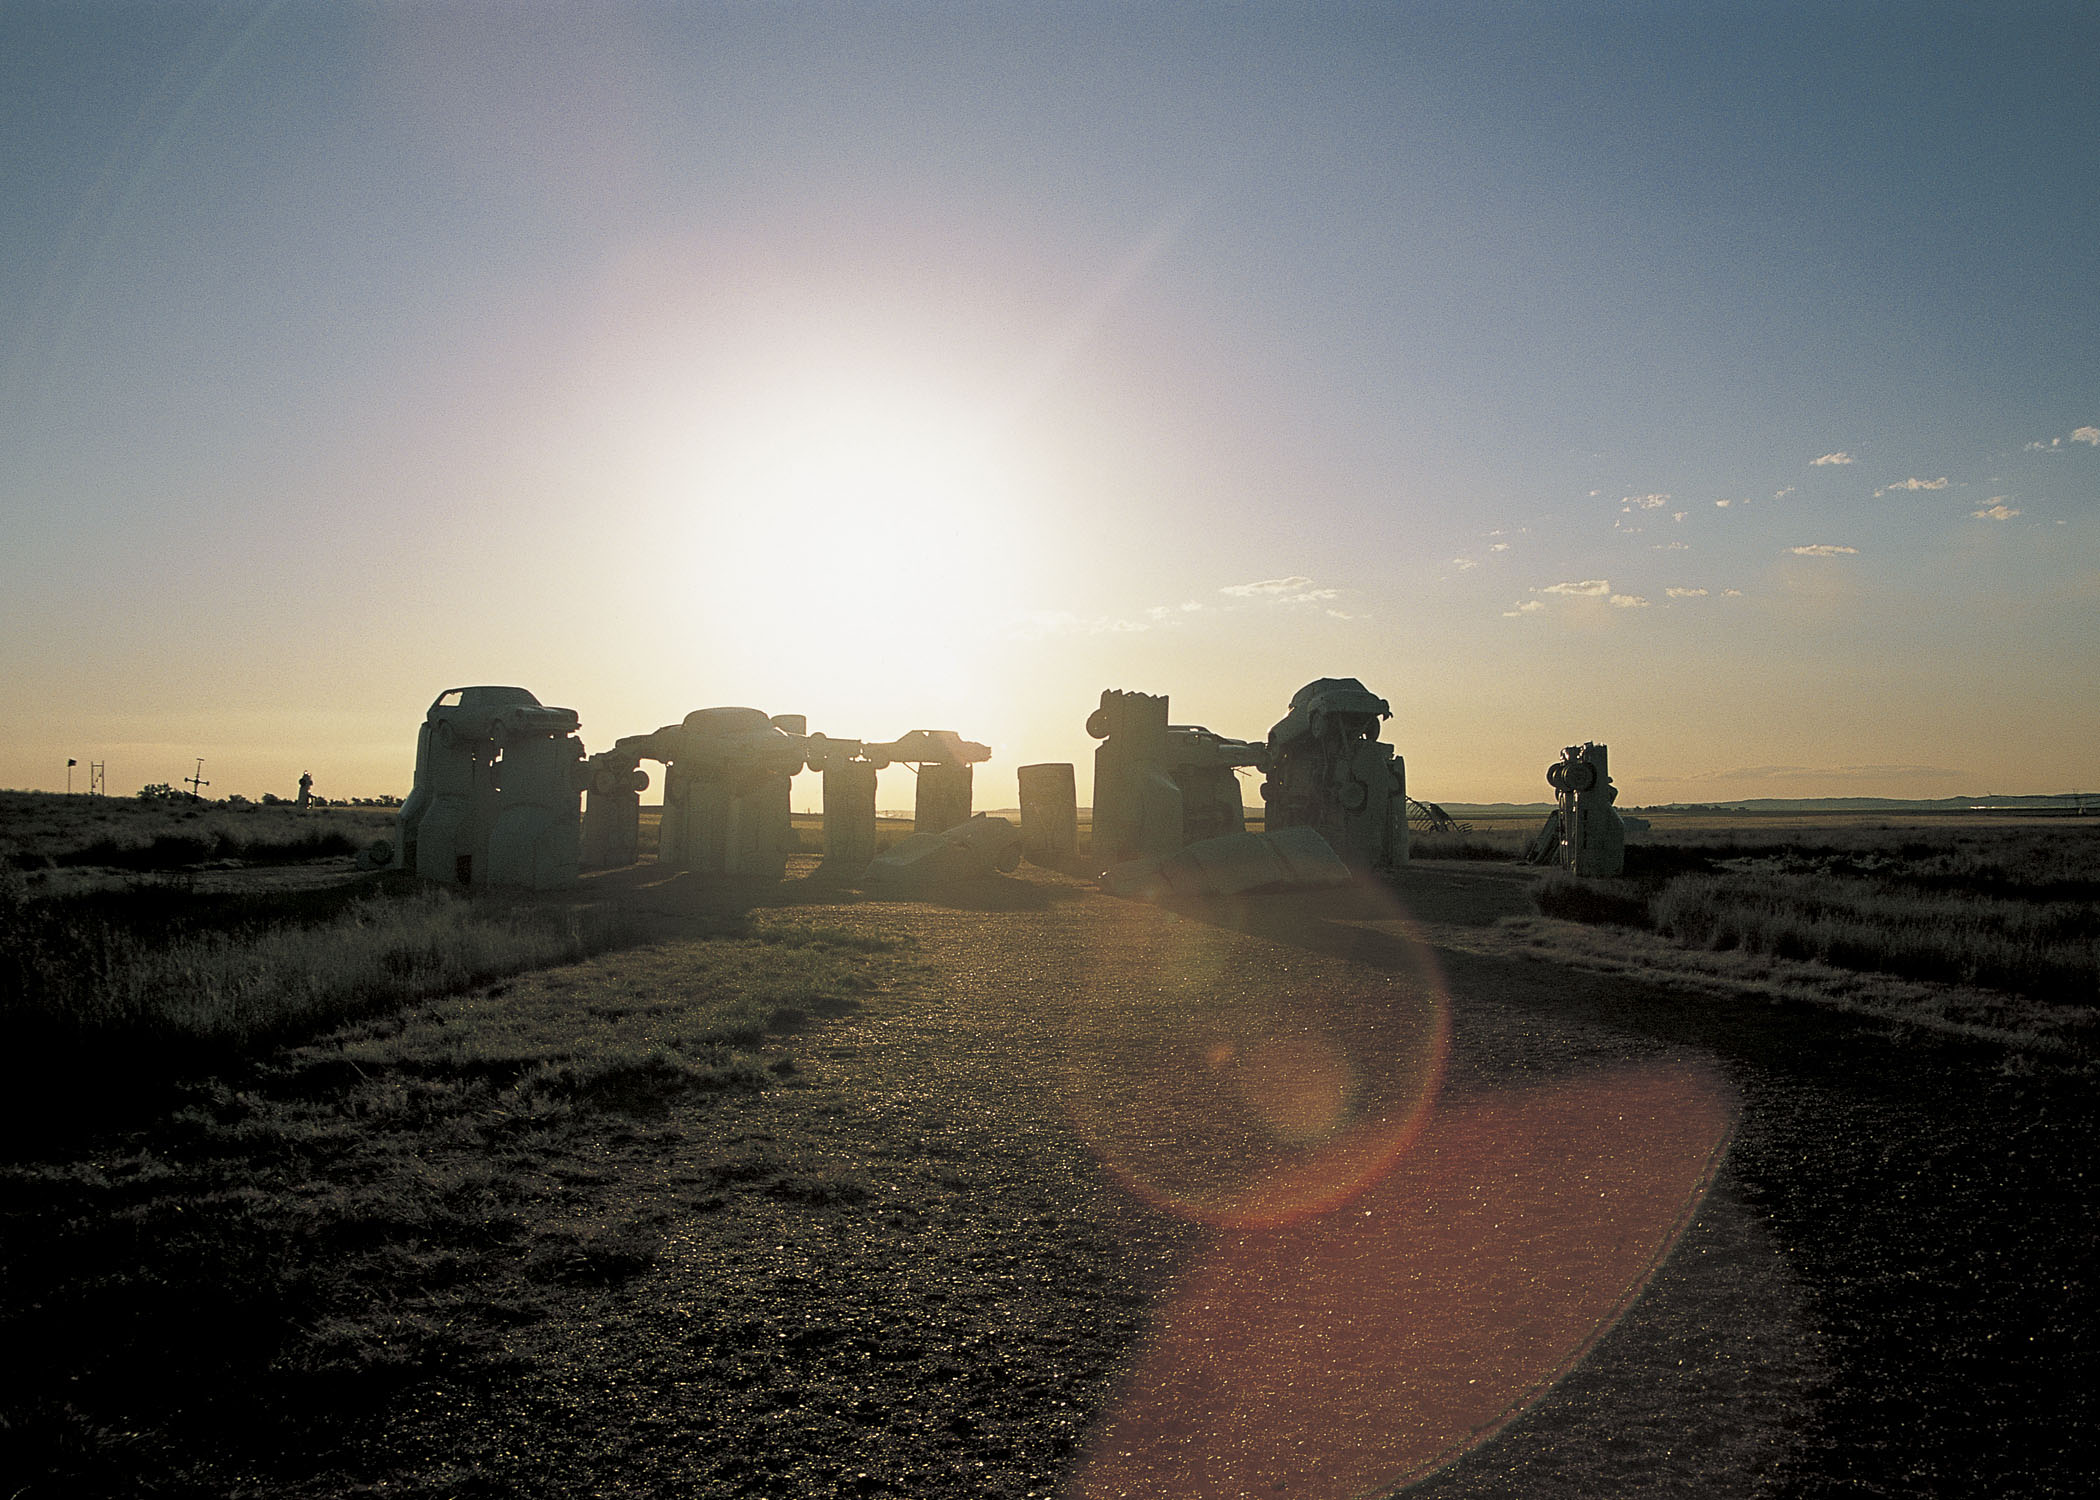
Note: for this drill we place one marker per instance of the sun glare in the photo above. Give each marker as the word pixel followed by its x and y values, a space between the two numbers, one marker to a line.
pixel 862 524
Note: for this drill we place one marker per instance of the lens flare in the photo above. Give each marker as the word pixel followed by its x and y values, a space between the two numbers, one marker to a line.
pixel 1301 1087
pixel 1355 1352
pixel 1251 1062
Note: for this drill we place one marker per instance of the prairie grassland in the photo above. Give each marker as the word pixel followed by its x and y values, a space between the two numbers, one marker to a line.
pixel 2046 949
pixel 40 831
pixel 157 965
pixel 1492 841
pixel 402 1204
pixel 2010 910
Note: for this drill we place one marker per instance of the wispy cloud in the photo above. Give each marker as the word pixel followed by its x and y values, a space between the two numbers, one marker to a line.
pixel 1669 546
pixel 1724 504
pixel 1587 588
pixel 1643 502
pixel 1464 564
pixel 1686 593
pixel 2087 435
pixel 1830 458
pixel 1731 593
pixel 1823 549
pixel 1498 546
pixel 1782 494
pixel 1998 510
pixel 1912 484
pixel 1296 589
pixel 1524 607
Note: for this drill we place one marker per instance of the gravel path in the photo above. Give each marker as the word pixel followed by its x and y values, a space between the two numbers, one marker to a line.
pixel 920 1267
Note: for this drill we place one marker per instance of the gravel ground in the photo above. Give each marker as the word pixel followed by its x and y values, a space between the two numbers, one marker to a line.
pixel 1883 1292
pixel 951 1254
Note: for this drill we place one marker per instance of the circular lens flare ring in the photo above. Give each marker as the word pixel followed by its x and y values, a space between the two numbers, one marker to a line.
pixel 1238 1081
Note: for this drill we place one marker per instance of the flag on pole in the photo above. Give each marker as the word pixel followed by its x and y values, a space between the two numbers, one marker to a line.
pixel 71 763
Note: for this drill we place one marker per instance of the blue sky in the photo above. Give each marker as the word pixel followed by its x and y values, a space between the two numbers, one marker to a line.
pixel 910 365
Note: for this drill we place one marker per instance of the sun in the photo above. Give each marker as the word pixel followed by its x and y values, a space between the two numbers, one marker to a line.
pixel 867 493
pixel 848 524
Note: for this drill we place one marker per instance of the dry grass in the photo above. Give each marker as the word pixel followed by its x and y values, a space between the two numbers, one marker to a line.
pixel 1989 930
pixel 40 830
pixel 158 966
pixel 1491 842
pixel 2048 950
pixel 400 1205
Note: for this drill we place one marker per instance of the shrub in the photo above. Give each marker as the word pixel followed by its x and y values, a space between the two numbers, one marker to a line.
pixel 1578 899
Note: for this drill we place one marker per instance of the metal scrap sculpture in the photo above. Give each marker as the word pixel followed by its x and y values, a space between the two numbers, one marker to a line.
pixel 1584 834
pixel 727 774
pixel 498 776
pixel 1049 815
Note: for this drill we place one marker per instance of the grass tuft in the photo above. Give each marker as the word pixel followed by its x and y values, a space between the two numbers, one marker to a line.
pixel 1576 899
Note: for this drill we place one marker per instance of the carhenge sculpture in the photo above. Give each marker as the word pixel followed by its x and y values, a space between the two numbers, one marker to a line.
pixel 727 774
pixel 1159 787
pixel 498 776
pixel 1329 771
pixel 942 760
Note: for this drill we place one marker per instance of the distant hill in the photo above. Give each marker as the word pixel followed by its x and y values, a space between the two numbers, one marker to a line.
pixel 2066 802
pixel 2063 802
